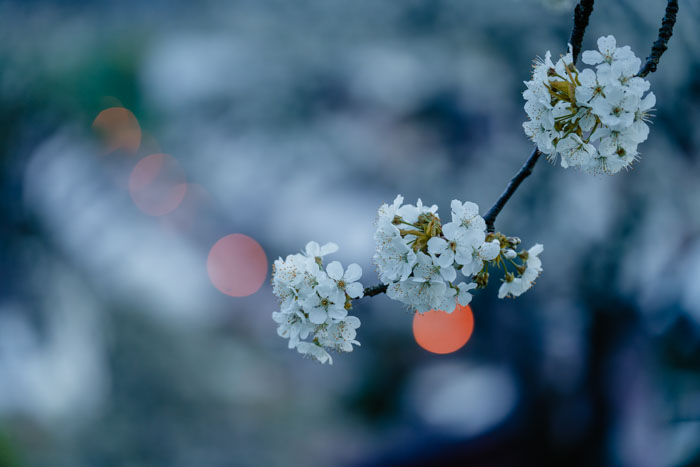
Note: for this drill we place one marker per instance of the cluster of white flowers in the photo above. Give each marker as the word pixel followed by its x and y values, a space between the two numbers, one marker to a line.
pixel 593 119
pixel 514 286
pixel 418 258
pixel 315 301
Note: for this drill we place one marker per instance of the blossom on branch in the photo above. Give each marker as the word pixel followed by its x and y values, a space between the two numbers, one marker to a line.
pixel 593 118
pixel 514 286
pixel 315 301
pixel 419 259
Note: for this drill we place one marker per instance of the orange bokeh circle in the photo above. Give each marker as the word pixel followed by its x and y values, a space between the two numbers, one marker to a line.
pixel 119 129
pixel 442 333
pixel 237 265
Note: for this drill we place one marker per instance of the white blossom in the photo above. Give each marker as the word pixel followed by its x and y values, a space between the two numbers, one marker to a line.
pixel 314 302
pixel 326 305
pixel 418 258
pixel 534 264
pixel 313 250
pixel 464 298
pixel 574 151
pixel 607 52
pixel 617 109
pixel 345 282
pixel 394 259
pixel 467 215
pixel 571 112
pixel 315 351
pixel 486 251
pixel 429 270
pixel 513 286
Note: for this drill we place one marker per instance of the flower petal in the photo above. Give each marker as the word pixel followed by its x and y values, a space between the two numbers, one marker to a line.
pixel 353 322
pixel 353 273
pixel 449 273
pixel 335 270
pixel 591 57
pixel 354 290
pixel 312 249
pixel 317 316
pixel 328 248
pixel 436 246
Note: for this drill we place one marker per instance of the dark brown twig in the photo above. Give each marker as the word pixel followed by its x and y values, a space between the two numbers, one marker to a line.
pixel 581 14
pixel 375 290
pixel 513 185
pixel 661 44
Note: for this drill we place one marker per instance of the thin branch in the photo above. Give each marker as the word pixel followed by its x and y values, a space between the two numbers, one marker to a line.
pixel 375 290
pixel 581 14
pixel 661 44
pixel 513 185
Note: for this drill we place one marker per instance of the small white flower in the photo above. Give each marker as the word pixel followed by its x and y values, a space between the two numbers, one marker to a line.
pixel 457 246
pixel 534 264
pixel 467 215
pixel 346 282
pixel 440 251
pixel 515 286
pixel 589 88
pixel 489 250
pixel 539 101
pixel 622 73
pixel 314 351
pixel 339 336
pixel 429 270
pixel 410 212
pixel 540 135
pixel 575 151
pixel 512 288
pixel 607 52
pixel 313 250
pixel 395 260
pixel 564 62
pixel 612 140
pixel 542 67
pixel 481 251
pixel 326 304
pixel 463 295
pixel 291 327
pixel 640 130
pixel 617 109
pixel 388 212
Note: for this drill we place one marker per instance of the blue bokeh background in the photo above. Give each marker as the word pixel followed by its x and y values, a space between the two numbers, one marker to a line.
pixel 293 121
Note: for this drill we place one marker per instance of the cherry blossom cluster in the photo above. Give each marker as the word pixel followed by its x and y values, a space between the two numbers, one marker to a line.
pixel 593 118
pixel 419 259
pixel 314 302
pixel 526 264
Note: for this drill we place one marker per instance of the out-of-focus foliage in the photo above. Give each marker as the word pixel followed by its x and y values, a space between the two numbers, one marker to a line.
pixel 293 121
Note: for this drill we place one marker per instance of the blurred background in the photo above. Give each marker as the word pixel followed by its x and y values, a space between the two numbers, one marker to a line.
pixel 136 136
